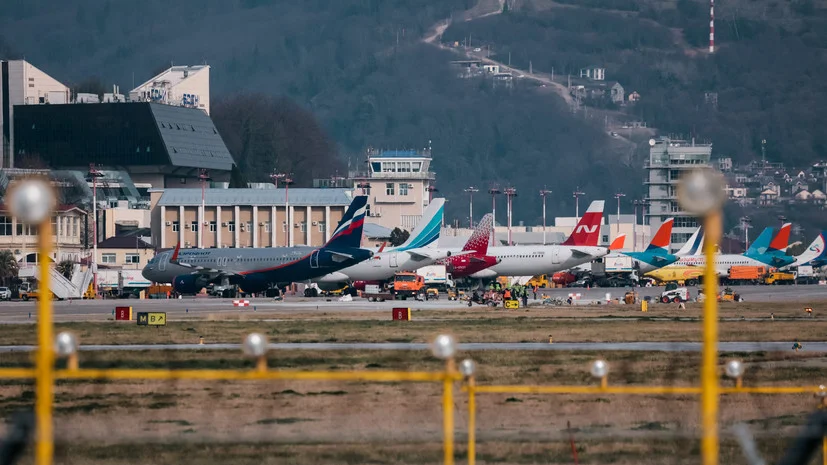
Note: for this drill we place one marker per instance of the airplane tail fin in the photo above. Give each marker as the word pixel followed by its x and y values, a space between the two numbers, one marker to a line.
pixel 663 236
pixel 348 233
pixel 618 243
pixel 587 231
pixel 482 234
pixel 695 244
pixel 427 230
pixel 781 240
pixel 816 252
pixel 762 242
pixel 174 257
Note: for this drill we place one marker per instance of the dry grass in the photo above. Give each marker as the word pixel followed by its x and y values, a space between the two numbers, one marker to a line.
pixel 336 422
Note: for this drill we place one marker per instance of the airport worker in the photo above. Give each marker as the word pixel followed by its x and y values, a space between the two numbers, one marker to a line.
pixel 797 346
pixel 525 298
pixel 507 294
pixel 535 292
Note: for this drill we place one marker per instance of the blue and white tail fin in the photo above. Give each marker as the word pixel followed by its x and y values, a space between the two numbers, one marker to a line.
pixel 761 243
pixel 348 234
pixel 815 254
pixel 694 246
pixel 426 231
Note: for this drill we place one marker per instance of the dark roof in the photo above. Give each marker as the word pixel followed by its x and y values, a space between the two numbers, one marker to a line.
pixel 135 134
pixel 124 242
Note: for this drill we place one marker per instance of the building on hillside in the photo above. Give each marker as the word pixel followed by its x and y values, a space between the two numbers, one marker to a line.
pixel 668 160
pixel 503 80
pixel 616 92
pixel 159 145
pixel 768 198
pixel 467 68
pixel 21 83
pixel 595 73
pixel 69 229
pixel 245 217
pixel 124 252
pixel 634 97
pixel 184 86
pixel 398 184
pixel 491 68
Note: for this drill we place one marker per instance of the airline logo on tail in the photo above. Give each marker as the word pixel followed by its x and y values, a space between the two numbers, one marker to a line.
pixel 694 245
pixel 815 254
pixel 587 231
pixel 482 234
pixel 349 231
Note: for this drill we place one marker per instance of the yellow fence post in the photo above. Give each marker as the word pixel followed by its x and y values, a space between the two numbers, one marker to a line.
pixel 45 355
pixel 448 411
pixel 709 368
pixel 472 421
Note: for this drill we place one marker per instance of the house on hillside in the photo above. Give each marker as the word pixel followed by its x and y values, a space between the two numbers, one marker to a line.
pixel 634 97
pixel 767 198
pixel 819 197
pixel 595 73
pixel 491 69
pixel 616 92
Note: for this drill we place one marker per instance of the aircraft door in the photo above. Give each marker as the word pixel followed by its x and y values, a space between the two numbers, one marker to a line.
pixel 555 256
pixel 314 259
pixel 162 262
pixel 394 262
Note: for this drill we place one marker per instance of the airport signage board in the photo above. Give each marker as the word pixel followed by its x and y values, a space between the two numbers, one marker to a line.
pixel 152 319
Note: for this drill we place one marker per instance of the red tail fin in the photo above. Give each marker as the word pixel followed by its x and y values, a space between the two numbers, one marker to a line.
pixel 782 239
pixel 381 248
pixel 663 237
pixel 618 243
pixel 587 231
pixel 174 256
pixel 479 239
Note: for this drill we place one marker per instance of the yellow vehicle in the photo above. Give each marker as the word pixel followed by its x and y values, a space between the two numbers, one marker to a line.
pixel 779 277
pixel 338 292
pixel 432 293
pixel 540 280
pixel 681 275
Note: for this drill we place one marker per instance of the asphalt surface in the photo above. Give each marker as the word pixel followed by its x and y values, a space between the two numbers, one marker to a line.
pixel 475 346
pixel 100 310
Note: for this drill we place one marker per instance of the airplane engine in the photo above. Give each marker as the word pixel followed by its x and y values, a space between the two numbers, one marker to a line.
pixel 189 284
pixel 330 286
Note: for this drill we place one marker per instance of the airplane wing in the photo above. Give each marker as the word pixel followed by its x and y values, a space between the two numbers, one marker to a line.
pixel 579 254
pixel 423 253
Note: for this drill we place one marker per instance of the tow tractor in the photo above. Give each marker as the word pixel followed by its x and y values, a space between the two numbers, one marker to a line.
pixel 673 293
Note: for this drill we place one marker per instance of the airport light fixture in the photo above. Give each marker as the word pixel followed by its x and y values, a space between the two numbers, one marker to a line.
pixel 600 369
pixel 701 192
pixel 204 177
pixel 285 179
pixel 467 368
pixel 471 190
pixel 66 345
pixel 95 173
pixel 32 201
pixel 746 224
pixel 543 194
pixel 576 194
pixel 618 196
pixel 735 370
pixel 444 347
pixel 255 345
pixel 431 190
pixel 510 192
pixel 642 203
pixel 494 191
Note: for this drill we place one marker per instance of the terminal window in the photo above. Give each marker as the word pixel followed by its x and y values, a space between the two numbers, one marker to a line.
pixel 389 188
pixel 213 226
pixel 5 226
pixel 174 226
pixel 108 258
pixel 231 226
pixel 403 189
pixel 133 259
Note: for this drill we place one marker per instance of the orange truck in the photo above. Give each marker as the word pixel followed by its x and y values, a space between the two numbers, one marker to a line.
pixel 407 284
pixel 747 274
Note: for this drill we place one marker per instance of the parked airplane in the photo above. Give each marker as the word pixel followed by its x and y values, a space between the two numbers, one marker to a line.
pixel 478 259
pixel 815 255
pixel 529 260
pixel 258 269
pixel 657 254
pixel 773 256
pixel 418 251
pixel 762 248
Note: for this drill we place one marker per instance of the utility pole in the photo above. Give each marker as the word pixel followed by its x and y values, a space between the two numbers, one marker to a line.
pixel 494 192
pixel 763 154
pixel 617 220
pixel 543 194
pixel 94 173
pixel 746 224
pixel 202 215
pixel 510 192
pixel 431 190
pixel 530 67
pixel 576 194
pixel 642 204
pixel 471 190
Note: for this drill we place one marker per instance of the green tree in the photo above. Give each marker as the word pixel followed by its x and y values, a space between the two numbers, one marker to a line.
pixel 398 237
pixel 66 268
pixel 8 266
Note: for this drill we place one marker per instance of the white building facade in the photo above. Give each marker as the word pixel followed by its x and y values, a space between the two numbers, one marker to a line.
pixel 21 83
pixel 186 86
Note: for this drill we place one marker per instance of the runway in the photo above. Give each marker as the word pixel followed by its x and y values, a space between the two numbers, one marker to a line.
pixel 176 309
pixel 470 347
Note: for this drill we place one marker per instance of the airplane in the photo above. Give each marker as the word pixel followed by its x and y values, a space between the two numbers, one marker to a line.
pixel 657 254
pixel 418 251
pixel 762 250
pixel 259 269
pixel 529 260
pixel 773 256
pixel 461 266
pixel 815 255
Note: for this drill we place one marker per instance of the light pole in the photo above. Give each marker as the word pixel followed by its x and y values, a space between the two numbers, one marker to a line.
pixel 365 186
pixel 510 192
pixel 94 173
pixel 204 177
pixel 576 194
pixel 782 219
pixel 543 194
pixel 618 196
pixel 431 190
pixel 286 180
pixel 746 224
pixel 494 192
pixel 471 190
pixel 642 204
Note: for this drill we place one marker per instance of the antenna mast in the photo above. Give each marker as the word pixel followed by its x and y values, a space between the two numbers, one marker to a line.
pixel 711 26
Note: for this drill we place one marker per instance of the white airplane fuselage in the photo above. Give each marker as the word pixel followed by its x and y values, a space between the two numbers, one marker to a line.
pixel 384 265
pixel 534 260
pixel 723 262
